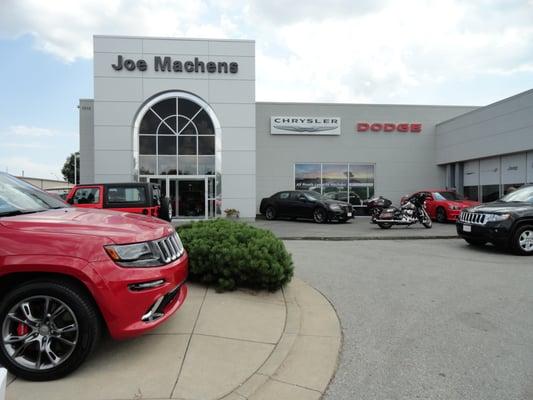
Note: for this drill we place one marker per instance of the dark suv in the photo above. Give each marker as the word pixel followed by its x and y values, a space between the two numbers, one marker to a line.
pixel 507 223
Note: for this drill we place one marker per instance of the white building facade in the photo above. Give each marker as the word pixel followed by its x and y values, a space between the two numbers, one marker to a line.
pixel 182 113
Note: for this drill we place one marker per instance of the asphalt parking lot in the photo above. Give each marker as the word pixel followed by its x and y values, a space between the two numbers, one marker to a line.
pixel 427 319
pixel 357 228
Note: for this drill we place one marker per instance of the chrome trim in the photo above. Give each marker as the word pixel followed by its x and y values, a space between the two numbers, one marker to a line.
pixel 146 285
pixel 170 248
pixel 152 315
pixel 473 218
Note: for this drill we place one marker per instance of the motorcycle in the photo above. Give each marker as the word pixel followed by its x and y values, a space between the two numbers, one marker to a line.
pixel 411 212
pixel 375 205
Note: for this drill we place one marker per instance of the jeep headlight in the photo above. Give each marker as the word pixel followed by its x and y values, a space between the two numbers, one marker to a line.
pixel 497 217
pixel 335 207
pixel 135 255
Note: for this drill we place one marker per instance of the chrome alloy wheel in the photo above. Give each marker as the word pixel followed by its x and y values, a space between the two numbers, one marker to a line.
pixel 525 241
pixel 40 333
pixel 319 215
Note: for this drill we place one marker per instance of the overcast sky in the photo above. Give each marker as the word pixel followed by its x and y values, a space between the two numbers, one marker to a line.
pixel 371 51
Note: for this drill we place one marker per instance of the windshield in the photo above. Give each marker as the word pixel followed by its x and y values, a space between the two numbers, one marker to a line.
pixel 19 197
pixel 448 196
pixel 522 195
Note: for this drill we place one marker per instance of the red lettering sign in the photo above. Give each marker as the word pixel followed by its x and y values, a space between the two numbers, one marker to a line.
pixel 389 127
pixel 362 127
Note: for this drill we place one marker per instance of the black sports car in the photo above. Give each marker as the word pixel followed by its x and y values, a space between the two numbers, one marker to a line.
pixel 507 222
pixel 305 204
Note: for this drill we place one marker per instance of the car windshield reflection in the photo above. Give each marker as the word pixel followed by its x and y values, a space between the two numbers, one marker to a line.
pixel 524 195
pixel 18 197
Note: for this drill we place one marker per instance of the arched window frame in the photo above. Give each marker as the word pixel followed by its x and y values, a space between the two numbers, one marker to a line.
pixel 178 95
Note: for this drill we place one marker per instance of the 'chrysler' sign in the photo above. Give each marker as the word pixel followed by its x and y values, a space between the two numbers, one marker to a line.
pixel 305 126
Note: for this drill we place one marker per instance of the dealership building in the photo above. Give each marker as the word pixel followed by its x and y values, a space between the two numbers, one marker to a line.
pixel 182 113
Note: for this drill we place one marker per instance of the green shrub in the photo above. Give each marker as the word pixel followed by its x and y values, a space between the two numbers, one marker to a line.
pixel 231 254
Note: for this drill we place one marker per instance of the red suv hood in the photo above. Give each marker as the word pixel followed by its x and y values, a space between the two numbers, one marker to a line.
pixel 120 227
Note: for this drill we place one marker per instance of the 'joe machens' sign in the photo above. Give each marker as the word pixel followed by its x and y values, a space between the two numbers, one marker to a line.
pixel 169 65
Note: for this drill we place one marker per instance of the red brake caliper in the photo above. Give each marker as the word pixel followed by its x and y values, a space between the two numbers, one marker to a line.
pixel 22 329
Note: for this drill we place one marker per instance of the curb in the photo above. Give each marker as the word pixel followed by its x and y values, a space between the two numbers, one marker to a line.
pixel 312 336
pixel 353 238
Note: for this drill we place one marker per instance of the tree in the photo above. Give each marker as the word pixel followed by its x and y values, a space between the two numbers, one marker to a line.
pixel 68 168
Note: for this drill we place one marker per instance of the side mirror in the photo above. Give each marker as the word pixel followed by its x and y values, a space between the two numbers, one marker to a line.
pixel 302 198
pixel 71 200
pixel 428 198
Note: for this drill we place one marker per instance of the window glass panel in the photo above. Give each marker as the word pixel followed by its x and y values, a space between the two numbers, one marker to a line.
pixel 211 188
pixel 511 187
pixel 147 165
pixel 361 182
pixel 206 165
pixel 187 145
pixel 471 193
pixel 165 108
pixel 204 124
pixel 490 193
pixel 167 145
pixel 187 165
pixel 335 177
pixel 187 108
pixel 147 145
pixel 206 145
pixel 361 173
pixel 149 124
pixel 307 177
pixel 168 126
pixel 126 194
pixel 166 165
pixel 87 196
pixel 185 127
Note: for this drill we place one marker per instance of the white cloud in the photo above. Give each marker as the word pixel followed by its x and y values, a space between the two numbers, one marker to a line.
pixel 30 131
pixel 334 50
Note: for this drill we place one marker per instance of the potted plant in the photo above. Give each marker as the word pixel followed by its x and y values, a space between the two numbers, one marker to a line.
pixel 231 213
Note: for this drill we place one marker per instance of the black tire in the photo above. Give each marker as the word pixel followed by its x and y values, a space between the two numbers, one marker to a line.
pixel 441 215
pixel 82 334
pixel 475 242
pixel 523 240
pixel 320 216
pixel 384 225
pixel 165 211
pixel 270 213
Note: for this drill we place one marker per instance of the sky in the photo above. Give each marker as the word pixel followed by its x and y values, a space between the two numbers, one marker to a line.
pixel 448 52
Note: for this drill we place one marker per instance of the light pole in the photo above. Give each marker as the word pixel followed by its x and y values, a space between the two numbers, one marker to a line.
pixel 76 155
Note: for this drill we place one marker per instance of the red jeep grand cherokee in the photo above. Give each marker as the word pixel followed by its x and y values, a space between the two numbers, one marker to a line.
pixel 67 274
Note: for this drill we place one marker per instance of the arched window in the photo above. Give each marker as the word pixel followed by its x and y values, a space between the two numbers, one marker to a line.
pixel 176 136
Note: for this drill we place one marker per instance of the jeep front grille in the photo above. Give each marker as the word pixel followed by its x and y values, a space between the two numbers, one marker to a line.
pixel 170 248
pixel 472 218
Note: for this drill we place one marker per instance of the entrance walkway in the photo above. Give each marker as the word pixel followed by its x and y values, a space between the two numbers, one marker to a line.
pixel 233 346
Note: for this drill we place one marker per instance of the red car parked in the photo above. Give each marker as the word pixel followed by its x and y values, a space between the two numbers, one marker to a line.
pixel 444 205
pixel 139 197
pixel 67 274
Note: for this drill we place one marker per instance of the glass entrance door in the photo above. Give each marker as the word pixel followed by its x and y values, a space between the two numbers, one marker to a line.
pixel 191 199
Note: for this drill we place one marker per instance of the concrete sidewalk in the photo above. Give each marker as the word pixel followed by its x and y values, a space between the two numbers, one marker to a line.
pixel 232 346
